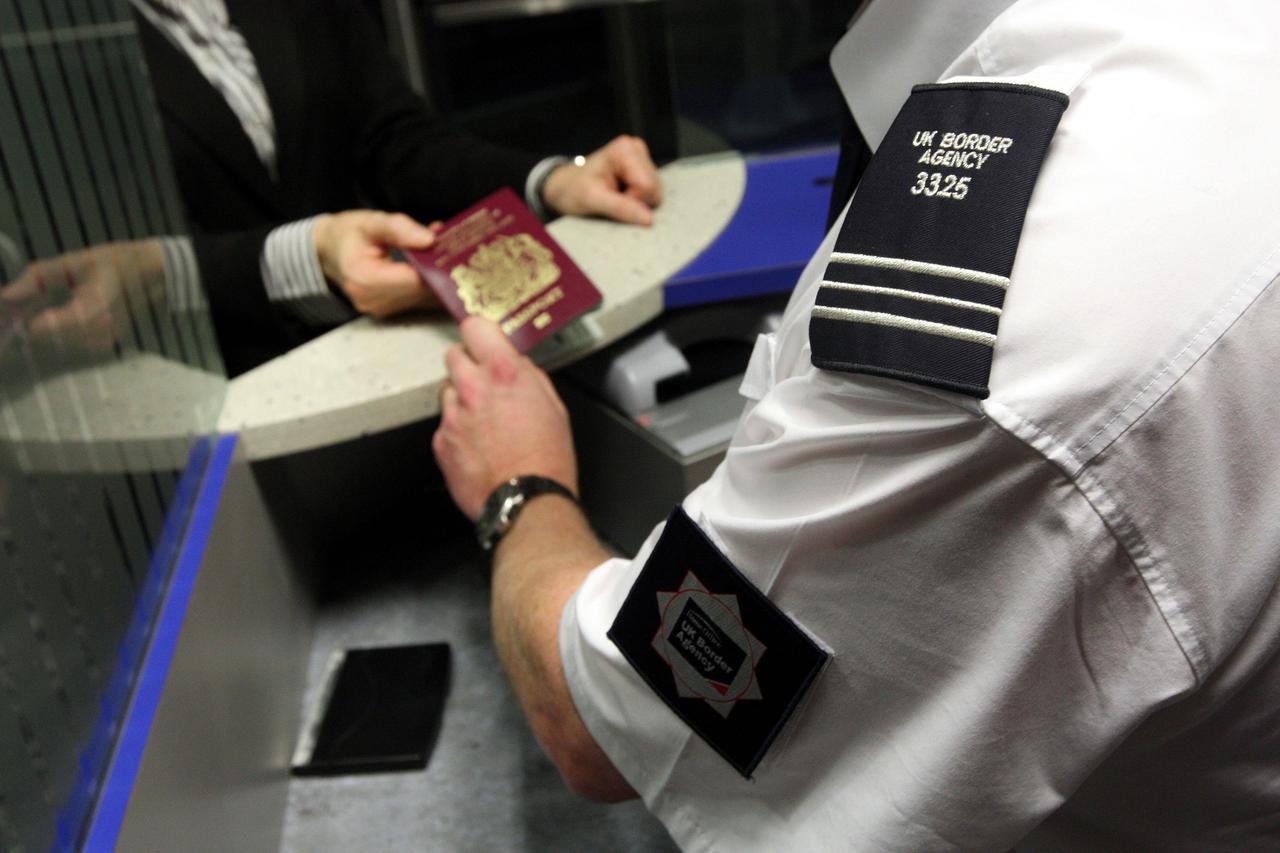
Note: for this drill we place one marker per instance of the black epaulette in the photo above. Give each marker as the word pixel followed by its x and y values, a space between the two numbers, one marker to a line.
pixel 915 286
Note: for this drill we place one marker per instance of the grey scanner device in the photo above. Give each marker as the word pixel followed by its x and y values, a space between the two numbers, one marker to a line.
pixel 640 456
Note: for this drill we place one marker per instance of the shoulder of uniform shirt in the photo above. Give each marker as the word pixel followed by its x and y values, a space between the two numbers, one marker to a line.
pixel 1147 234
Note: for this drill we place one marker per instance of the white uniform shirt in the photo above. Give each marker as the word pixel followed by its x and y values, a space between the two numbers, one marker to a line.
pixel 1053 613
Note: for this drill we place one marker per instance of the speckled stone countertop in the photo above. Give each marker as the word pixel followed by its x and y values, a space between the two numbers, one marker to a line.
pixel 138 413
pixel 366 376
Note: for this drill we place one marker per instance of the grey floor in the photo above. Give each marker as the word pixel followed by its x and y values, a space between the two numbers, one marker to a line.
pixel 488 786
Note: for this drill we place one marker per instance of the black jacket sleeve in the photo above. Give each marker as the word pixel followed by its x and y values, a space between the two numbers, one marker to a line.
pixel 249 329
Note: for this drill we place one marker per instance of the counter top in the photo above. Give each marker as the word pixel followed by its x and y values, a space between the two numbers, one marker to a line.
pixel 367 376
pixel 140 412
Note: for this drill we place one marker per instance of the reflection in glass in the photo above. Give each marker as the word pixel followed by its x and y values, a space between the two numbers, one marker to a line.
pixel 108 379
pixel 753 75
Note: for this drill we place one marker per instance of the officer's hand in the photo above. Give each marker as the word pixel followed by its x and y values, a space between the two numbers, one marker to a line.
pixel 353 248
pixel 618 181
pixel 500 418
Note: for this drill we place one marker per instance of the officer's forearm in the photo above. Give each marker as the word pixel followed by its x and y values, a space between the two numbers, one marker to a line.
pixel 537 567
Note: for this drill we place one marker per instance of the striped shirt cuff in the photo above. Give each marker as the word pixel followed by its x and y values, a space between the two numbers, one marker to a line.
pixel 182 275
pixel 533 186
pixel 293 279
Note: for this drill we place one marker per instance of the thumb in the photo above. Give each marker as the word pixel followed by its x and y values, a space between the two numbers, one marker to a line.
pixel 25 287
pixel 631 164
pixel 619 206
pixel 401 231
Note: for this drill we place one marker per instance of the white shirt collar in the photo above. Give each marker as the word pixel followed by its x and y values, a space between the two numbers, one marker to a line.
pixel 895 44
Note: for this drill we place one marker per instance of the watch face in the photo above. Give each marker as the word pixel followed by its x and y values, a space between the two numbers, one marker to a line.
pixel 500 510
pixel 495 516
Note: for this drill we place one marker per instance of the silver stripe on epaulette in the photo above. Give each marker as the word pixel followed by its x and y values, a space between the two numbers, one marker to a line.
pixel 913 294
pixel 905 265
pixel 909 324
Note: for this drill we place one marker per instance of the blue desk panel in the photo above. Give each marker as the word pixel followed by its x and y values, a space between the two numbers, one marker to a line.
pixel 150 644
pixel 780 222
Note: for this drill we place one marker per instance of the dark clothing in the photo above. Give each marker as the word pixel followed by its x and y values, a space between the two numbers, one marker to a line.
pixel 349 133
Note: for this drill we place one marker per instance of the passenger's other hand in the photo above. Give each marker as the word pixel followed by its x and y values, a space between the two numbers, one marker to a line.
pixel 354 246
pixel 500 417
pixel 618 181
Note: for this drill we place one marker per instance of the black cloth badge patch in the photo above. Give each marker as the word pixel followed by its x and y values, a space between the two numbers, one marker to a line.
pixel 713 647
pixel 916 284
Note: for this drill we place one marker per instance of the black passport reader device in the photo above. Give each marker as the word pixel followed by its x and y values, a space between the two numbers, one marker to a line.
pixel 379 709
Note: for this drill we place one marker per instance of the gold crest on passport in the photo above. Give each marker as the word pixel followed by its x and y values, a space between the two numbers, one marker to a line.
pixel 496 260
pixel 503 275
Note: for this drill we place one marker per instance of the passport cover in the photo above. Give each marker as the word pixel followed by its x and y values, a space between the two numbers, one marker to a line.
pixel 495 259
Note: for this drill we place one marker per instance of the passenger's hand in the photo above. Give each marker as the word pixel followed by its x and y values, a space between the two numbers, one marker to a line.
pixel 618 181
pixel 80 301
pixel 500 418
pixel 354 250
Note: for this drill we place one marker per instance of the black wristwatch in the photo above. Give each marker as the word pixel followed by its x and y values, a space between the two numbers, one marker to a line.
pixel 500 510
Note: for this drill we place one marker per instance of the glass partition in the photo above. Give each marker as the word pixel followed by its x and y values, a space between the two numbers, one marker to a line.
pixel 109 382
pixel 691 76
pixel 753 75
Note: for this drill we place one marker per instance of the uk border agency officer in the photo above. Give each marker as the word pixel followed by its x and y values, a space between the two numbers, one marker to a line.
pixel 992 561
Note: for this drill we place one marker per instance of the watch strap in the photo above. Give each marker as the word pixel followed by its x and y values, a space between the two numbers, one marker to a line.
pixel 506 502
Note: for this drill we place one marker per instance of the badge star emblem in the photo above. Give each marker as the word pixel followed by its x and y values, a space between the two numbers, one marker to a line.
pixel 711 653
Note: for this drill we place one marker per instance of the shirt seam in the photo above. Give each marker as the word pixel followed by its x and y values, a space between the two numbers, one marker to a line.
pixel 1145 557
pixel 1213 327
pixel 984 50
pixel 1124 531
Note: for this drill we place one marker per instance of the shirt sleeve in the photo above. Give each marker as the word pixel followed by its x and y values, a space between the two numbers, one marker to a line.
pixel 533 186
pixel 991 640
pixel 182 275
pixel 293 279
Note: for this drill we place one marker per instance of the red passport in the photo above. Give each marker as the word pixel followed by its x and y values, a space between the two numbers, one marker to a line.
pixel 496 259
